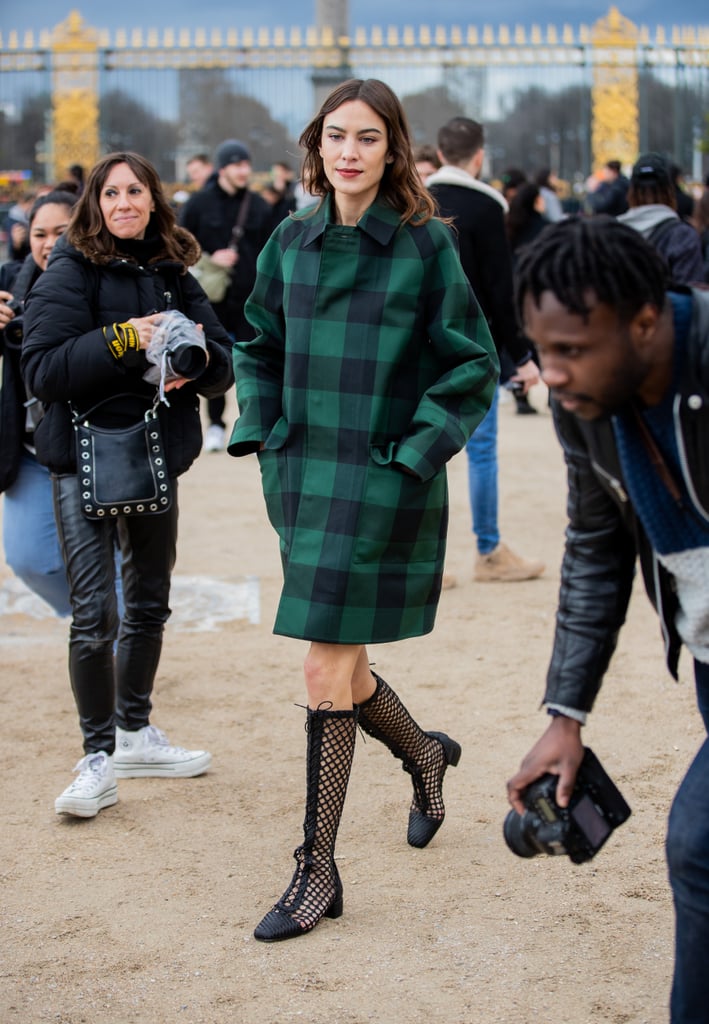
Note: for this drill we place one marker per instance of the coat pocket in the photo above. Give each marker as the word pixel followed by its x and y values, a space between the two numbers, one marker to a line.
pixel 273 463
pixel 402 520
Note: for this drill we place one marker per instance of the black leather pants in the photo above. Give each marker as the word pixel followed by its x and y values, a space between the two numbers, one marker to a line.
pixel 110 689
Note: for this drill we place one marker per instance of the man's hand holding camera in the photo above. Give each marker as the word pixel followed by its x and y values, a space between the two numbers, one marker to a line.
pixel 563 800
pixel 560 752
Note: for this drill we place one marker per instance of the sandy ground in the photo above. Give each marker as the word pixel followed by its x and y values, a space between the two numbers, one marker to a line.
pixel 145 913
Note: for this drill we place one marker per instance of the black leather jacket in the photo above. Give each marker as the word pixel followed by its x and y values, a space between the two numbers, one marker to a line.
pixel 604 535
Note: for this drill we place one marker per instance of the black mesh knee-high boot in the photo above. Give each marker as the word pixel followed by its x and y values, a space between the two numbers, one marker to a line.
pixel 425 756
pixel 315 890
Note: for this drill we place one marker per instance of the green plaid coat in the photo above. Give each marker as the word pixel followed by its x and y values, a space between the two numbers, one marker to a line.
pixel 371 366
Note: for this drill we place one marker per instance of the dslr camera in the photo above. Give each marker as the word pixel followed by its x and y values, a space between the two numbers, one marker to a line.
pixel 596 808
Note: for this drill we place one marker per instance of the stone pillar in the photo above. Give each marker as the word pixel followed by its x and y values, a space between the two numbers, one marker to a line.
pixel 331 21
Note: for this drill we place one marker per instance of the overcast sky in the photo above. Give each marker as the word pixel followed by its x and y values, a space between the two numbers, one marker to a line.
pixel 41 14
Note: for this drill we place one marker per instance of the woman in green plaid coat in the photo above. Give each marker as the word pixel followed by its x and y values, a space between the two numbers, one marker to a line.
pixel 371 366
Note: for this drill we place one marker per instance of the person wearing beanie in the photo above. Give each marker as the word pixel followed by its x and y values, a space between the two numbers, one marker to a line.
pixel 212 214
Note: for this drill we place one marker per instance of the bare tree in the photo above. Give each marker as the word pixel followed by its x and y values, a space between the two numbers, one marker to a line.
pixel 428 110
pixel 22 138
pixel 211 110
pixel 128 125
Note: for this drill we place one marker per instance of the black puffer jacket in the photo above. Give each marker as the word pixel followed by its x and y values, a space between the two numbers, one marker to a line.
pixel 604 535
pixel 65 358
pixel 16 278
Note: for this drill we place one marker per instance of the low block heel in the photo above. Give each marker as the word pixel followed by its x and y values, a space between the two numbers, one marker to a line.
pixel 451 748
pixel 336 907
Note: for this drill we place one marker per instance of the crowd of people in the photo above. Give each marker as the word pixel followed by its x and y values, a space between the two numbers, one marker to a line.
pixel 368 315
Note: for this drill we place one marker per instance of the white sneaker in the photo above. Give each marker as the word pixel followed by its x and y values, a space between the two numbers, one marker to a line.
pixel 93 789
pixel 215 438
pixel 147 753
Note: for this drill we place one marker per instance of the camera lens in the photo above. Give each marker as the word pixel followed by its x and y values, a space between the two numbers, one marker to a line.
pixel 516 836
pixel 188 361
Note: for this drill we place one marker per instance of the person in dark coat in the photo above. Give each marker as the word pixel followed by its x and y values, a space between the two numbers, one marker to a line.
pixel 89 319
pixel 29 530
pixel 477 212
pixel 525 218
pixel 371 366
pixel 610 190
pixel 211 214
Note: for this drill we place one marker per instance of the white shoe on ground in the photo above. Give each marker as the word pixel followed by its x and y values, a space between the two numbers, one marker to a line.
pixel 93 789
pixel 215 438
pixel 147 753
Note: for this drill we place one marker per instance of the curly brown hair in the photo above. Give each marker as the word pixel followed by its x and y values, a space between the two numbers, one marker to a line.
pixel 87 229
pixel 401 187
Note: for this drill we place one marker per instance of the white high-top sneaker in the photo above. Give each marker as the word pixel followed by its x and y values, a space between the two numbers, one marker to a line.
pixel 148 752
pixel 93 789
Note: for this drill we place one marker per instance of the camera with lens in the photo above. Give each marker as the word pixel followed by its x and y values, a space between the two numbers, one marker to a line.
pixel 177 349
pixel 15 330
pixel 596 808
pixel 186 358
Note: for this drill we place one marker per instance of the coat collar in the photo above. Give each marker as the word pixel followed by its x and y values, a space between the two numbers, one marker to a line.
pixel 451 175
pixel 380 221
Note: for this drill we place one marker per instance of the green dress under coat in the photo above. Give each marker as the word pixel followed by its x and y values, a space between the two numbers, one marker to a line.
pixel 371 366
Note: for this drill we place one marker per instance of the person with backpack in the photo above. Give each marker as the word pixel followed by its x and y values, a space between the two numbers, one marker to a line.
pixel 653 212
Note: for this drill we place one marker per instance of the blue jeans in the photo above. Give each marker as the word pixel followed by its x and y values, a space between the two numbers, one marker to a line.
pixel 688 860
pixel 30 535
pixel 482 480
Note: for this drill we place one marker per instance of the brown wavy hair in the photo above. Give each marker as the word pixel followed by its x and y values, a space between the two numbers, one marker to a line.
pixel 87 229
pixel 401 186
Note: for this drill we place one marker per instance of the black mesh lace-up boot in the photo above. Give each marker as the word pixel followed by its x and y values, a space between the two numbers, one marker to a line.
pixel 315 890
pixel 425 756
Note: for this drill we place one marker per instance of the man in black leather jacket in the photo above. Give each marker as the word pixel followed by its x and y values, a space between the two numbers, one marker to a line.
pixel 627 364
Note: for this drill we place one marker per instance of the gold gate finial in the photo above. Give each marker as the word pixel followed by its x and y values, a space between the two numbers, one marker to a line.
pixel 75 105
pixel 614 96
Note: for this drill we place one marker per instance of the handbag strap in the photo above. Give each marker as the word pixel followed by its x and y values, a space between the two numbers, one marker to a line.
pixel 237 232
pixel 77 417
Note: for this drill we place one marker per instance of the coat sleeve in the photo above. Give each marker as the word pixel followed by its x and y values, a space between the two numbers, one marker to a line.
pixel 450 410
pixel 495 269
pixel 259 363
pixel 219 375
pixel 596 578
pixel 64 354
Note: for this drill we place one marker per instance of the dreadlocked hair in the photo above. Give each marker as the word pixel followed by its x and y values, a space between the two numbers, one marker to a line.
pixel 581 259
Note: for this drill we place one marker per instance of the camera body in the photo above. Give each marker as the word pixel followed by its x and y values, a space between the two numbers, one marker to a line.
pixel 595 809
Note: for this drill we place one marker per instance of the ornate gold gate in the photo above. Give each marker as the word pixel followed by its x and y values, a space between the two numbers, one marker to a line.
pixel 613 49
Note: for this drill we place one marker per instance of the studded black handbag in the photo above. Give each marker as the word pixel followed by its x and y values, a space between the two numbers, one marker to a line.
pixel 121 471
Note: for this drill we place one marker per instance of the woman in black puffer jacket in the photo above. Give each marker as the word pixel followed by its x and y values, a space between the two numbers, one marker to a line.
pixel 122 263
pixel 29 531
